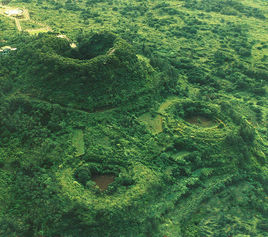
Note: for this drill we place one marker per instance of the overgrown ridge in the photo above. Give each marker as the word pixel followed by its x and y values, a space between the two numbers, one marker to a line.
pixel 153 122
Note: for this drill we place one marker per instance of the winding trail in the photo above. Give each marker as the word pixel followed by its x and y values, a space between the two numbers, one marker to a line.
pixel 67 108
pixel 26 17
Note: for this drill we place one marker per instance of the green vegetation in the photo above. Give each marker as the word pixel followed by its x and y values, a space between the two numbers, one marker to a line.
pixel 134 118
pixel 78 142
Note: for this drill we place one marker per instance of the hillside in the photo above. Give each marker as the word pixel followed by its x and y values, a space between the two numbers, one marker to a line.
pixel 101 71
pixel 134 118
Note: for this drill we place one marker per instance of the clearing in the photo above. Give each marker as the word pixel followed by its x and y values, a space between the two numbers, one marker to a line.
pixel 24 16
pixel 78 142
pixel 155 124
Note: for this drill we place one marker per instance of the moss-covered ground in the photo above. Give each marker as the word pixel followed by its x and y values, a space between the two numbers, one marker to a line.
pixel 165 100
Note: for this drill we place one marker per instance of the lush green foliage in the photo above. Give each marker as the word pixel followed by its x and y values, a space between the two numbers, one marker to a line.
pixel 168 97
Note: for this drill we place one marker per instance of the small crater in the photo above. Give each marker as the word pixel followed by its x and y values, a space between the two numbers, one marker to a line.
pixel 200 121
pixel 98 44
pixel 103 181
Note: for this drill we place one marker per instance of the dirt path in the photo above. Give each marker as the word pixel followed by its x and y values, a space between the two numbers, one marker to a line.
pixel 26 14
pixel 155 124
pixel 33 31
pixel 26 17
pixel 166 104
pixel 17 22
pixel 96 110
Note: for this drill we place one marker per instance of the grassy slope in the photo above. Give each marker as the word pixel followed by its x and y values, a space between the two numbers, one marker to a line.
pixel 187 180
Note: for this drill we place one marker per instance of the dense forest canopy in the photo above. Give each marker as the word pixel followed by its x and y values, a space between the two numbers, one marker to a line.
pixel 133 118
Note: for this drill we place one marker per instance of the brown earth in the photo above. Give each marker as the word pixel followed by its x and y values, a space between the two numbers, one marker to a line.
pixel 102 181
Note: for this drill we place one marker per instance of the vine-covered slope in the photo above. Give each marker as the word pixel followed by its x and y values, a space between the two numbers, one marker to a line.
pixel 134 118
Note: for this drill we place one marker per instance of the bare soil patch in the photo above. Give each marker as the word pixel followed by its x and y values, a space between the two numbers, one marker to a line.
pixel 102 181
